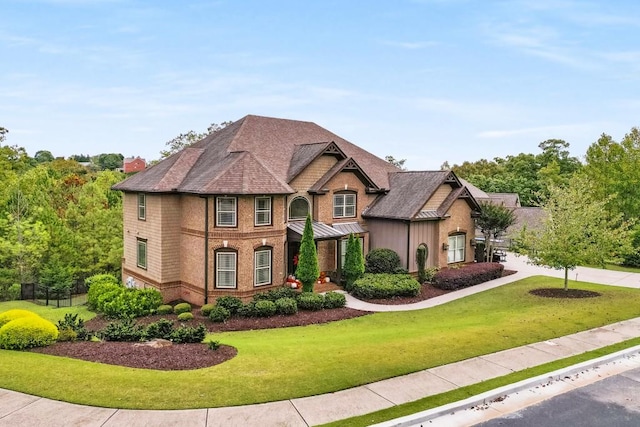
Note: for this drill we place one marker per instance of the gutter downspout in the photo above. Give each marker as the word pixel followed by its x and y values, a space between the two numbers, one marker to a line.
pixel 408 242
pixel 206 249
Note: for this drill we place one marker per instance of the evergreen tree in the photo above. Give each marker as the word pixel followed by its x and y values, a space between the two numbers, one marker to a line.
pixel 308 269
pixel 353 262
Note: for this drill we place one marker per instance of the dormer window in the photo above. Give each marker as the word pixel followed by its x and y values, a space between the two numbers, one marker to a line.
pixel 344 205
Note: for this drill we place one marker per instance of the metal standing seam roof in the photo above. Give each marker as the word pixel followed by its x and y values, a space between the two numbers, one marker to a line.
pixel 321 231
pixel 349 227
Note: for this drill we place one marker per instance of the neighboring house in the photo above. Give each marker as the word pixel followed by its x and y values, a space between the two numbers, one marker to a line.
pixel 133 164
pixel 225 216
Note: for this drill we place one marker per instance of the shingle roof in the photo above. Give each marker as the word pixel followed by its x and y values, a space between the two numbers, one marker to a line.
pixel 276 150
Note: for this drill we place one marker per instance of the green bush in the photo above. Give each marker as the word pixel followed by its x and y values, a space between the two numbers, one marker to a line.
pixel 14 292
pixel 164 309
pixel 27 332
pixel 118 302
pixel 334 300
pixel 310 301
pixel 265 308
pixel 67 334
pixel 185 317
pixel 467 275
pixel 286 306
pixel 101 279
pixel 275 294
pixel 231 303
pixel 122 330
pixel 206 309
pixel 183 307
pixel 213 345
pixel 382 260
pixel 377 286
pixel 189 334
pixel 14 314
pixel 74 323
pixel 247 310
pixel 219 314
pixel 159 329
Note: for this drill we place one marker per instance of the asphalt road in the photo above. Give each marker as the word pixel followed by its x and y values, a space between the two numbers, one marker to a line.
pixel 612 402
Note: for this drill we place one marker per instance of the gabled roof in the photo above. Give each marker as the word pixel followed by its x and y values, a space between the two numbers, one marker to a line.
pixel 276 150
pixel 408 193
pixel 345 165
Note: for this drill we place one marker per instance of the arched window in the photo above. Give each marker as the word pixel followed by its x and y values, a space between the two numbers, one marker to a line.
pixel 299 208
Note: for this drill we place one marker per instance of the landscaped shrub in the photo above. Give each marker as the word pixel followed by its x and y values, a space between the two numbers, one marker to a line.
pixel 247 310
pixel 206 309
pixel 377 286
pixel 118 302
pixel 189 334
pixel 231 303
pixel 185 317
pixel 101 279
pixel 74 323
pixel 467 275
pixel 286 306
pixel 382 260
pixel 164 309
pixel 275 294
pixel 67 334
pixel 183 307
pixel 219 314
pixel 27 332
pixel 14 292
pixel 14 314
pixel 159 329
pixel 334 300
pixel 213 345
pixel 122 330
pixel 310 301
pixel 265 308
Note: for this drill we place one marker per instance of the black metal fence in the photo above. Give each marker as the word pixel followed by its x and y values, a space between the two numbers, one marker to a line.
pixel 44 295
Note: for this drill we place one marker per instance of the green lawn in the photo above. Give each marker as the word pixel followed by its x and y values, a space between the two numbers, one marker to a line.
pixel 48 312
pixel 617 267
pixel 302 361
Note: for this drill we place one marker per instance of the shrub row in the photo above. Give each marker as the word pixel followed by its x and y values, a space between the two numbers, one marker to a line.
pixel 383 260
pixel 467 275
pixel 377 286
pixel 127 330
pixel 107 296
pixel 22 329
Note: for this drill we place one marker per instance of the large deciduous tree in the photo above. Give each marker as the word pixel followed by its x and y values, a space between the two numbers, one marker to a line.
pixel 578 230
pixel 308 269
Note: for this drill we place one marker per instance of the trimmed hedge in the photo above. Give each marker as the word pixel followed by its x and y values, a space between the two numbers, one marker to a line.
pixel 468 275
pixel 183 307
pixel 286 306
pixel 265 308
pixel 27 332
pixel 185 317
pixel 206 309
pixel 334 300
pixel 164 309
pixel 117 302
pixel 382 260
pixel 219 314
pixel 275 294
pixel 380 286
pixel 231 303
pixel 310 301
pixel 14 314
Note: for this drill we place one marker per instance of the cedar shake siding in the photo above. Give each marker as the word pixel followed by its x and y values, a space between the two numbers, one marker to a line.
pixel 213 219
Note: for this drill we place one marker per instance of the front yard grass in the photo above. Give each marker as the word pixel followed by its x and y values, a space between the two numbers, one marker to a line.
pixel 302 361
pixel 50 313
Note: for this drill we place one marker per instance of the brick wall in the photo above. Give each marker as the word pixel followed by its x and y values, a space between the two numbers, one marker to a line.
pixel 459 221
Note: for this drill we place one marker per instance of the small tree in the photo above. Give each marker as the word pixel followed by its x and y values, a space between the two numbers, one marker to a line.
pixel 308 270
pixel 493 222
pixel 353 261
pixel 577 230
pixel 422 253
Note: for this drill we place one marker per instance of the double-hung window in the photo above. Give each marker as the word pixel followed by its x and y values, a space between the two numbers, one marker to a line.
pixel 226 264
pixel 456 248
pixel 263 211
pixel 344 205
pixel 142 206
pixel 141 253
pixel 262 267
pixel 226 211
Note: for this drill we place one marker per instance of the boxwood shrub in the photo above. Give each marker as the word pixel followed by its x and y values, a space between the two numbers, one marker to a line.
pixel 159 329
pixel 231 303
pixel 205 310
pixel 310 301
pixel 185 317
pixel 189 334
pixel 382 260
pixel 116 301
pixel 334 300
pixel 183 307
pixel 286 306
pixel 164 309
pixel 265 308
pixel 379 286
pixel 468 275
pixel 276 294
pixel 219 314
pixel 27 332
pixel 248 309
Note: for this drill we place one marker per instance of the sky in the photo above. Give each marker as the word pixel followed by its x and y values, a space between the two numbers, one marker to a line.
pixel 428 81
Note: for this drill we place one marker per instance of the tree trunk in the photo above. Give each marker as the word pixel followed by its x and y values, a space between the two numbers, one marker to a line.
pixel 566 279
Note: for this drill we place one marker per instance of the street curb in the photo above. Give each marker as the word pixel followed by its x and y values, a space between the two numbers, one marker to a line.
pixel 492 395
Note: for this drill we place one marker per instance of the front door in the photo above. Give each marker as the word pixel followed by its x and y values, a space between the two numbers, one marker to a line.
pixel 293 248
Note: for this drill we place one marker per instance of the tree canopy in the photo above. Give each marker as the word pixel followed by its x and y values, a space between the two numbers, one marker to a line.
pixel 186 139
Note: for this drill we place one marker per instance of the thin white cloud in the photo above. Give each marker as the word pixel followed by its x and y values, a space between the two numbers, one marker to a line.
pixel 506 133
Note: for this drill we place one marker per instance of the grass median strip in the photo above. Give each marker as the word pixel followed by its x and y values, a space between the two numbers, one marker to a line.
pixel 302 361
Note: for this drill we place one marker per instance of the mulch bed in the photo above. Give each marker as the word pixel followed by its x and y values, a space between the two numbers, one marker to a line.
pixel 561 293
pixel 195 356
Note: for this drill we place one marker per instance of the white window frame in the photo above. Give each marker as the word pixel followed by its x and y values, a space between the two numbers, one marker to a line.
pixel 264 267
pixel 290 204
pixel 142 206
pixel 234 269
pixel 141 243
pixel 219 212
pixel 343 249
pixel 342 208
pixel 457 249
pixel 262 212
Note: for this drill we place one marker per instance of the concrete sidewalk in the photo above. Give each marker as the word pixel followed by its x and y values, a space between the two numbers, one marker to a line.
pixel 18 409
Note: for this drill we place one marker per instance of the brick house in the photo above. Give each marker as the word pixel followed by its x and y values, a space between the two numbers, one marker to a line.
pixel 133 164
pixel 225 216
